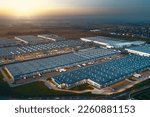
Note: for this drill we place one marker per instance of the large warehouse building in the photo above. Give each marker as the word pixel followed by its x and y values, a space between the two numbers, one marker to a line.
pixel 11 52
pixel 104 74
pixel 8 42
pixel 143 50
pixel 30 39
pixel 51 37
pixel 34 67
pixel 98 61
pixel 111 42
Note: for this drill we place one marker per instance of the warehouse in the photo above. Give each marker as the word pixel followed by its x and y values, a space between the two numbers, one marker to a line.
pixel 7 42
pixel 104 74
pixel 29 39
pixel 33 67
pixel 143 50
pixel 11 52
pixel 51 37
pixel 111 42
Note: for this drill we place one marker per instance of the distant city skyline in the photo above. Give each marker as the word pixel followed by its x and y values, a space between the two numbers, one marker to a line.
pixel 103 9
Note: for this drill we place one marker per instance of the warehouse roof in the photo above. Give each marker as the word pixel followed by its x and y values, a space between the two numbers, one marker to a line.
pixel 106 73
pixel 112 42
pixel 142 48
pixel 19 70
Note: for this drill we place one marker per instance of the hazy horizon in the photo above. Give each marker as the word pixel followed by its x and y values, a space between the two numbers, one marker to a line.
pixel 103 10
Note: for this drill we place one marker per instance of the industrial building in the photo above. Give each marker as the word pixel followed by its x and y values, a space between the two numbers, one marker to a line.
pixel 30 39
pixel 111 42
pixel 11 52
pixel 143 50
pixel 39 66
pixel 7 42
pixel 68 63
pixel 104 74
pixel 51 37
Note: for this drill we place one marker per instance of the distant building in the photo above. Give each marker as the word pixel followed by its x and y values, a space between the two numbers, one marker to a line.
pixel 111 42
pixel 7 42
pixel 29 39
pixel 11 52
pixel 51 37
pixel 95 30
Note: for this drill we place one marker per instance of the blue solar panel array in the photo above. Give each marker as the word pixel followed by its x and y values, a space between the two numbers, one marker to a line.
pixel 106 73
pixel 10 51
pixel 28 68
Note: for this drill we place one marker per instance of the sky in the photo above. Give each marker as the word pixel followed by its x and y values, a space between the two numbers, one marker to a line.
pixel 123 9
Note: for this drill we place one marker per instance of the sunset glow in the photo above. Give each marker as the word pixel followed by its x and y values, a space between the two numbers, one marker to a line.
pixel 102 8
pixel 23 7
pixel 29 8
